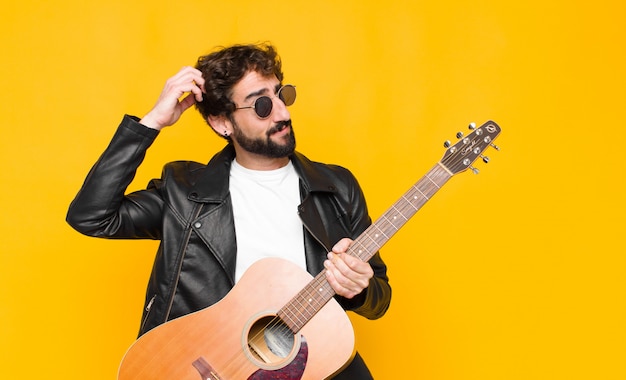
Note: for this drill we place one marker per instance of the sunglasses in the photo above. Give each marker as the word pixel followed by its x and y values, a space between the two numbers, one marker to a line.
pixel 263 105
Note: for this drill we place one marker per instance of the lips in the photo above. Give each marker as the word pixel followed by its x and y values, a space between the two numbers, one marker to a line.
pixel 279 127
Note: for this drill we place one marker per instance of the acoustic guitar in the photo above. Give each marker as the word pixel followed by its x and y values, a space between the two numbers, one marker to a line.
pixel 278 322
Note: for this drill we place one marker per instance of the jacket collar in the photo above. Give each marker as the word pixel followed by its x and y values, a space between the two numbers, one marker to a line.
pixel 211 185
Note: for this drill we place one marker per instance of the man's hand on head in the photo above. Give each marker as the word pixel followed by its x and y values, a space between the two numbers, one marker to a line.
pixel 180 92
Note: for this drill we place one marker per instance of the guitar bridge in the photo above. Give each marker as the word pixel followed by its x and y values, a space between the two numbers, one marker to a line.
pixel 206 371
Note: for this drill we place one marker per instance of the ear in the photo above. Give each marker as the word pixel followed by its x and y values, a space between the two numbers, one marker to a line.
pixel 220 124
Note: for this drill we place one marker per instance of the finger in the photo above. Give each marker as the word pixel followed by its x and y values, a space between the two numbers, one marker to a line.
pixel 187 73
pixel 197 92
pixel 342 245
pixel 338 283
pixel 195 77
pixel 187 102
pixel 356 264
pixel 352 269
pixel 188 79
pixel 337 262
pixel 188 87
pixel 346 276
pixel 347 264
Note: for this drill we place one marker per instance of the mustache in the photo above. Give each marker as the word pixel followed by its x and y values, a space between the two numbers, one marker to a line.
pixel 279 127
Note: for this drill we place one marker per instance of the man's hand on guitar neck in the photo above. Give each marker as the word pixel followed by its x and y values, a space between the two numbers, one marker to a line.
pixel 348 275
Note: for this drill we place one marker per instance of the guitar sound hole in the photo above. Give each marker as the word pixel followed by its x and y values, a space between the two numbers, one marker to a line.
pixel 270 341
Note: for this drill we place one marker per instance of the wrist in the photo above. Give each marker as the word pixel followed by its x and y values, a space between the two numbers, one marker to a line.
pixel 151 122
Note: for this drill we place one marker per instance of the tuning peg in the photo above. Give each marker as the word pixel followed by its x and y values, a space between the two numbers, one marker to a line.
pixel 459 135
pixel 485 159
pixel 472 126
pixel 447 144
pixel 474 170
pixel 495 146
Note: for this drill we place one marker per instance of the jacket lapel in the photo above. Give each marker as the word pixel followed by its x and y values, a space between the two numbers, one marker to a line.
pixel 215 225
pixel 315 224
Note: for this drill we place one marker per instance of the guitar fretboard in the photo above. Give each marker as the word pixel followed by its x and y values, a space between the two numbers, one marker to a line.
pixel 297 312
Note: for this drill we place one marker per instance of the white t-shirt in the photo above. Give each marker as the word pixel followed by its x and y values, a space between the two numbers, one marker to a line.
pixel 265 206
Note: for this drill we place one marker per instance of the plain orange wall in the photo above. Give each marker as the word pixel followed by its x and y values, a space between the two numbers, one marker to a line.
pixel 517 273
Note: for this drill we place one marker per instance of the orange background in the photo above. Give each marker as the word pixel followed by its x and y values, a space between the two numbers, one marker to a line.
pixel 517 273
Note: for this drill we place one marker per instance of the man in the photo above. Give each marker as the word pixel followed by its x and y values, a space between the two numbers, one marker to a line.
pixel 258 197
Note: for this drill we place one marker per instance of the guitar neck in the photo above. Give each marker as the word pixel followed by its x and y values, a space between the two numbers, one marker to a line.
pixel 379 233
pixel 318 292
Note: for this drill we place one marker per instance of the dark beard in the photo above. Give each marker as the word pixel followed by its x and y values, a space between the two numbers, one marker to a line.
pixel 266 147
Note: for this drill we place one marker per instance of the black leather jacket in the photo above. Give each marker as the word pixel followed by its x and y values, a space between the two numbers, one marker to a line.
pixel 189 210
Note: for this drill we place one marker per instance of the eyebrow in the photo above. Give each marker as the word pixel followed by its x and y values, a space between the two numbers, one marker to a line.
pixel 261 92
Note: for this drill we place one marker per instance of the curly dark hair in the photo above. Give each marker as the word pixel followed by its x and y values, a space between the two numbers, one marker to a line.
pixel 225 67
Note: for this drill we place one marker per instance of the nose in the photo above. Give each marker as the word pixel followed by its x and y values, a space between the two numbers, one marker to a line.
pixel 279 110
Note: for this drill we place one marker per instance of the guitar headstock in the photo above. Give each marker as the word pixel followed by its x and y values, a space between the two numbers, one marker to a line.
pixel 461 156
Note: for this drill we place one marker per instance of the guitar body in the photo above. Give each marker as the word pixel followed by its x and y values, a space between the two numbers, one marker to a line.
pixel 240 337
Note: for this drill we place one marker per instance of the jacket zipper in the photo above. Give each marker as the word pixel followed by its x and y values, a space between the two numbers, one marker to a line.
pixel 148 308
